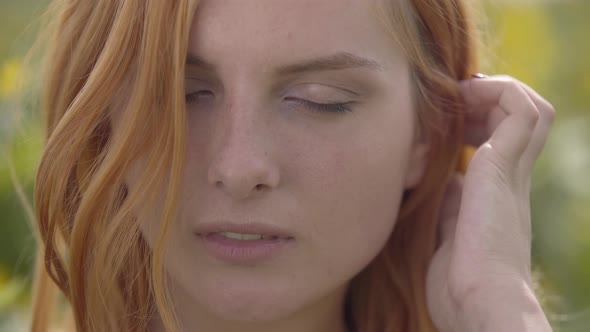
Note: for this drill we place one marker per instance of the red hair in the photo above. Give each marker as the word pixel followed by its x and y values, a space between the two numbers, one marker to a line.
pixel 83 210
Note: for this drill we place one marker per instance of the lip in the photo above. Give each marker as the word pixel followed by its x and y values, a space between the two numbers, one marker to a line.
pixel 243 251
pixel 244 228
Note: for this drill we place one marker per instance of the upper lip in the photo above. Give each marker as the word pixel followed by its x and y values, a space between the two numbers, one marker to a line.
pixel 243 228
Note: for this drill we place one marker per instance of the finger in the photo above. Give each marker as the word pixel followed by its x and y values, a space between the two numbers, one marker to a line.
pixel 481 122
pixel 449 210
pixel 541 132
pixel 514 111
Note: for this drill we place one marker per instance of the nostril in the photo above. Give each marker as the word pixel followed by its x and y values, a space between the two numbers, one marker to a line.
pixel 259 187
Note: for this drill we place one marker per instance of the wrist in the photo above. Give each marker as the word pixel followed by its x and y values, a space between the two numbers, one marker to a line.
pixel 506 308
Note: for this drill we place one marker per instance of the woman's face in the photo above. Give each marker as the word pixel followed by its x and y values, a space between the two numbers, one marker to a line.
pixel 259 152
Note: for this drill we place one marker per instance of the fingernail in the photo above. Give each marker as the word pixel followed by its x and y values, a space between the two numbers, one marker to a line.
pixel 479 75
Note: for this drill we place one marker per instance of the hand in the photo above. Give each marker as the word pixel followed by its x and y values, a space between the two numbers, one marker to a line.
pixel 484 256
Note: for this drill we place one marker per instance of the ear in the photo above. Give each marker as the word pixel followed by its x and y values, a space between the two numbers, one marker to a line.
pixel 417 162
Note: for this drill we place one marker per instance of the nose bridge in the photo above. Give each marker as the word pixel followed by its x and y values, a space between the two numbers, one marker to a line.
pixel 239 125
pixel 241 164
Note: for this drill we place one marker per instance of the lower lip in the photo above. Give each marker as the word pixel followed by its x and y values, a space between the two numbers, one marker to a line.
pixel 243 251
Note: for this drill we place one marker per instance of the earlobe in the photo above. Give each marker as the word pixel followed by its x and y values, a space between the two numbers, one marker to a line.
pixel 418 160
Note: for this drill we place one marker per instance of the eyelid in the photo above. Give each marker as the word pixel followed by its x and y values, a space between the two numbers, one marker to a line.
pixel 314 91
pixel 324 107
pixel 192 84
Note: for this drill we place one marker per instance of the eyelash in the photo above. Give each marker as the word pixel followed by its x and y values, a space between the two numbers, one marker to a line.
pixel 192 97
pixel 317 107
pixel 327 108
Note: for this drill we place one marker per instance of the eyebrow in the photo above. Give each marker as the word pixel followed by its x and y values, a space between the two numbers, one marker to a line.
pixel 193 60
pixel 337 61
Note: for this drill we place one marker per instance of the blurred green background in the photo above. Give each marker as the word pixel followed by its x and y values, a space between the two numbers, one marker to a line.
pixel 543 43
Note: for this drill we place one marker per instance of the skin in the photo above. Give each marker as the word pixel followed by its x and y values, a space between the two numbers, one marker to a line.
pixel 480 277
pixel 255 152
pixel 334 180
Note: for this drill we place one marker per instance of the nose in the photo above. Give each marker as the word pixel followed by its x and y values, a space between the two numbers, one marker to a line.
pixel 242 165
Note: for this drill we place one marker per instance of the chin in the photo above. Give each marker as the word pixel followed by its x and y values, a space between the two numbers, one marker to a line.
pixel 250 305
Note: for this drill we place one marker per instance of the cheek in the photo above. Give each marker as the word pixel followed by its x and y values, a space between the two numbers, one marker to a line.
pixel 361 174
pixel 353 191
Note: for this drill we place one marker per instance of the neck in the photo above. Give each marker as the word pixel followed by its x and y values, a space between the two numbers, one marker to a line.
pixel 325 315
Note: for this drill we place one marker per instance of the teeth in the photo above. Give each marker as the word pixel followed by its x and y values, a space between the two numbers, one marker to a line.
pixel 246 237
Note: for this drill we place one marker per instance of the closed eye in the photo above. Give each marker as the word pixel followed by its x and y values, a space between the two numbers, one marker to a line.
pixel 319 107
pixel 195 96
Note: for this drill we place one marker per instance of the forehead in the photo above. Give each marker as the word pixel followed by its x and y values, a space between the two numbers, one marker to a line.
pixel 270 31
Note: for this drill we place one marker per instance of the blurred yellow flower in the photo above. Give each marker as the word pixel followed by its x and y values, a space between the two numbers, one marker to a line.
pixel 9 77
pixel 527 48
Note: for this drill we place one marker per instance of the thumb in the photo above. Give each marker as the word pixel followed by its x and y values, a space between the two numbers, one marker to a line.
pixel 449 209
